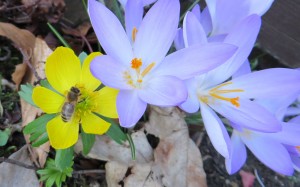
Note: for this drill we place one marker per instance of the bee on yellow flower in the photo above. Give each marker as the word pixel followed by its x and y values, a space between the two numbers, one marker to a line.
pixel 75 100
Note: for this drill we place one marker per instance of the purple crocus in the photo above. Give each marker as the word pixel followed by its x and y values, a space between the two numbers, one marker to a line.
pixel 232 99
pixel 279 151
pixel 225 14
pixel 140 70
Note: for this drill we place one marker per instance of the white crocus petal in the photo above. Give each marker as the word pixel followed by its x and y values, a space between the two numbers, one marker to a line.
pixel 215 130
pixel 110 32
pixel 157 31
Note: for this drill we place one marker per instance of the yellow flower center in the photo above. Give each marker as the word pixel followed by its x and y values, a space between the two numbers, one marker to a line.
pixel 135 79
pixel 216 93
pixel 83 105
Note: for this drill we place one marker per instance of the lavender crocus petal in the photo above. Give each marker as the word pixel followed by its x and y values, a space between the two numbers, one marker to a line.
pixel 225 19
pixel 205 21
pixel 216 130
pixel 163 91
pixel 292 150
pixel 296 162
pixel 130 108
pixel 195 60
pixel 289 134
pixel 148 2
pixel 193 32
pixel 133 16
pixel 110 32
pixel 292 111
pixel 237 156
pixel 269 83
pixel 272 153
pixel 123 2
pixel 278 105
pixel 157 31
pixel 243 69
pixel 249 115
pixel 217 38
pixel 178 41
pixel 196 12
pixel 295 120
pixel 259 7
pixel 191 105
pixel 109 72
pixel 243 35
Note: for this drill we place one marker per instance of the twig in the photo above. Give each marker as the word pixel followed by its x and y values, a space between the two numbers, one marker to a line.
pixel 26 60
pixel 80 172
pixel 18 163
pixel 87 43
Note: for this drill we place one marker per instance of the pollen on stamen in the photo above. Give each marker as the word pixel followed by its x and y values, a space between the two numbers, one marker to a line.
pixel 133 34
pixel 136 63
pixel 235 101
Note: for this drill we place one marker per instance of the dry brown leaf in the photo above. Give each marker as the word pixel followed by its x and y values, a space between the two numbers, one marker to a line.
pixel 14 175
pixel 24 41
pixel 29 113
pixel 107 149
pixel 81 30
pixel 20 37
pixel 176 159
pixel 19 73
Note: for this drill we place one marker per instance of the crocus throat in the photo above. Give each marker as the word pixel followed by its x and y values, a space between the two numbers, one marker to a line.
pixel 216 93
pixel 136 80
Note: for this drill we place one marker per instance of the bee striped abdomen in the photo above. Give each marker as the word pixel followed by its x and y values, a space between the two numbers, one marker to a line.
pixel 67 111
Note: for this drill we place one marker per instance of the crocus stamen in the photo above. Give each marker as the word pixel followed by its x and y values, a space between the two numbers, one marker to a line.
pixel 215 92
pixel 136 63
pixel 147 69
pixel 133 33
pixel 298 148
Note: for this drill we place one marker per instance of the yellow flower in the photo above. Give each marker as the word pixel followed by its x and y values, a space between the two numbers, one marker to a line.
pixel 67 76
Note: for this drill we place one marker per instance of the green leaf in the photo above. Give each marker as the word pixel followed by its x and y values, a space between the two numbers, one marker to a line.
pixel 64 158
pixel 26 93
pixel 82 56
pixel 52 174
pixel 88 141
pixel 38 124
pixel 132 147
pixel 114 6
pixel 58 35
pixel 4 135
pixel 114 131
pixel 42 139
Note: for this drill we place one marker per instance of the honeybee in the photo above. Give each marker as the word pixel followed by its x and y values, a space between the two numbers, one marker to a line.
pixel 68 108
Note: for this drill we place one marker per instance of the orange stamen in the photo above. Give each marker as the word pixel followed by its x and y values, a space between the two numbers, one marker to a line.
pixel 147 69
pixel 133 33
pixel 215 92
pixel 136 63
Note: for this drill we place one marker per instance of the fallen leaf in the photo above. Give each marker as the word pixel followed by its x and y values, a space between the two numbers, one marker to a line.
pixel 19 73
pixel 107 149
pixel 176 159
pixel 22 38
pixel 14 175
pixel 29 113
pixel 81 30
pixel 247 178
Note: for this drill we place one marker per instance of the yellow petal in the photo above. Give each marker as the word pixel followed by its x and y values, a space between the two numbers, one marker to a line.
pixel 62 135
pixel 93 124
pixel 63 69
pixel 105 100
pixel 87 79
pixel 47 100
